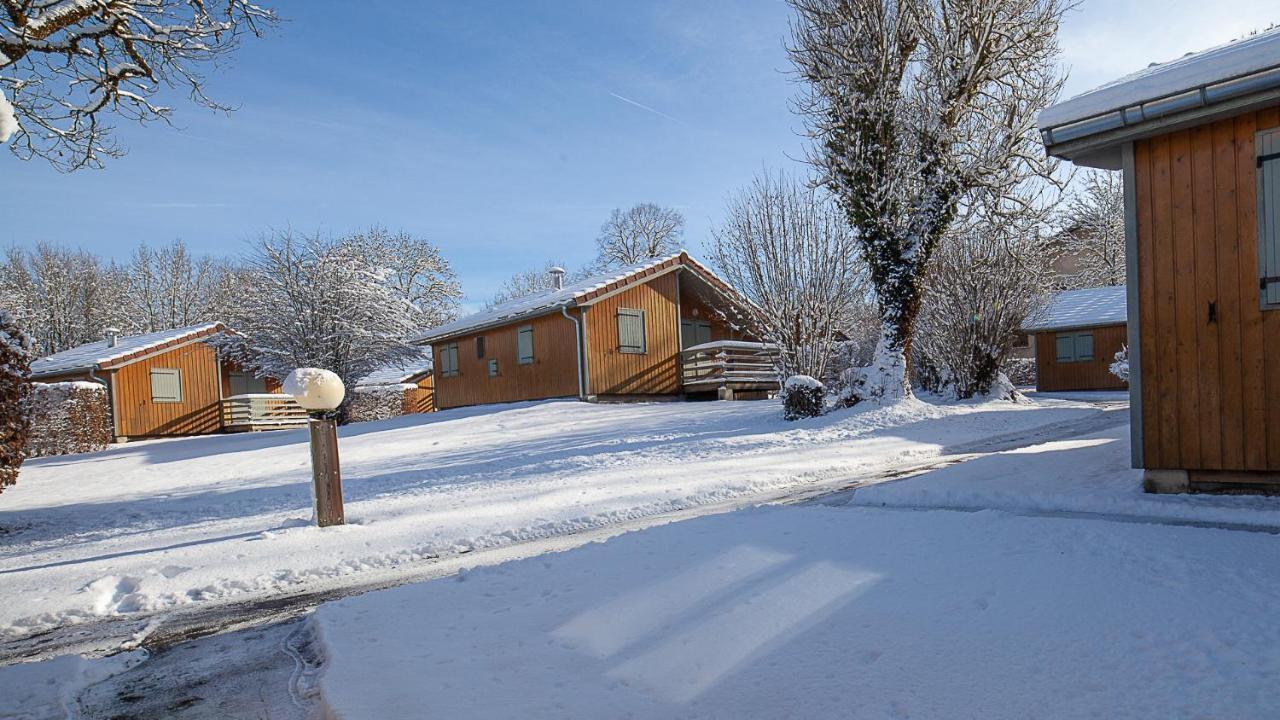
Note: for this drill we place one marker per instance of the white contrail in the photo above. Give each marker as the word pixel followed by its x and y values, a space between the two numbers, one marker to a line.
pixel 642 106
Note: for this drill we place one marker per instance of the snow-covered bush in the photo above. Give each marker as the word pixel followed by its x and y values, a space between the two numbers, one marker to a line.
pixel 803 397
pixel 68 417
pixel 1120 368
pixel 15 398
pixel 1020 371
pixel 379 402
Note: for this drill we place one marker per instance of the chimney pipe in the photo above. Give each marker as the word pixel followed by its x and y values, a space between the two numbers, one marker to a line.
pixel 557 277
pixel 112 335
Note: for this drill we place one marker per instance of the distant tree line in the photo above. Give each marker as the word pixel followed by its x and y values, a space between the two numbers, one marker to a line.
pixel 348 303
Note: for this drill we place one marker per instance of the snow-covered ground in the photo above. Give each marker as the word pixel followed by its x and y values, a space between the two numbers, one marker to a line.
pixel 152 526
pixel 821 612
pixel 1086 474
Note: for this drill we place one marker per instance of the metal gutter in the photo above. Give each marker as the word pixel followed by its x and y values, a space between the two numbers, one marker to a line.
pixel 1165 106
pixel 577 339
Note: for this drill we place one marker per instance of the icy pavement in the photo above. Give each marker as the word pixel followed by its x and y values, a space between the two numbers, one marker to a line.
pixel 819 612
pixel 156 527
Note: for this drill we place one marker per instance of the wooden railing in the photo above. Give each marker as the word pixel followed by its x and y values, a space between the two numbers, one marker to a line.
pixel 262 411
pixel 729 362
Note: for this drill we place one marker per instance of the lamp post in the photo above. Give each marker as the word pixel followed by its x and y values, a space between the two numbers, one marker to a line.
pixel 320 392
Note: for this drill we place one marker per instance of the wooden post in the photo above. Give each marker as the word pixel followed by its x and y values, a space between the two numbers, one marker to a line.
pixel 324 467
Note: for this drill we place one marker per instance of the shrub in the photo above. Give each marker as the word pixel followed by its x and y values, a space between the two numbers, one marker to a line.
pixel 68 417
pixel 803 397
pixel 15 395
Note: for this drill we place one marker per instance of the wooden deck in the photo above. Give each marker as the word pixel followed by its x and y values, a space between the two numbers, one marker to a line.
pixel 261 411
pixel 732 369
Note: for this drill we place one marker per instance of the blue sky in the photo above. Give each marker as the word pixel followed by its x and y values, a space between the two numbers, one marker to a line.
pixel 504 132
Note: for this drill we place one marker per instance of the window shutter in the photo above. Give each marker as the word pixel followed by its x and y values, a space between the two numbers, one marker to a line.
pixel 1066 348
pixel 524 345
pixel 166 385
pixel 493 367
pixel 1269 216
pixel 631 337
pixel 1084 346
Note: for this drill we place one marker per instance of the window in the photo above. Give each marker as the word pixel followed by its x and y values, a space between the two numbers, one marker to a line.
pixel 479 347
pixel 449 360
pixel 166 385
pixel 524 345
pixel 1268 148
pixel 1022 341
pixel 631 338
pixel 1075 347
pixel 493 367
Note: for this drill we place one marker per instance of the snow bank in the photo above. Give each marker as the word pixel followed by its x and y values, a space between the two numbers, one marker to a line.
pixel 157 525
pixel 1089 474
pixel 812 612
pixel 37 691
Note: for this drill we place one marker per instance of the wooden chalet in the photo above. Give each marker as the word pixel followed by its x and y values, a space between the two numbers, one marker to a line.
pixel 171 383
pixel 665 329
pixel 1198 142
pixel 1076 339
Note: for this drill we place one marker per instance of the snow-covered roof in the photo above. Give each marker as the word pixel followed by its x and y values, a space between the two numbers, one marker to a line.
pixel 1236 59
pixel 398 373
pixel 1092 307
pixel 97 355
pixel 571 295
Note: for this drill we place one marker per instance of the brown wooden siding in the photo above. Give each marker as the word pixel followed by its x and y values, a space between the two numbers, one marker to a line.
pixel 652 373
pixel 1211 389
pixel 197 413
pixel 1053 376
pixel 553 373
pixel 422 398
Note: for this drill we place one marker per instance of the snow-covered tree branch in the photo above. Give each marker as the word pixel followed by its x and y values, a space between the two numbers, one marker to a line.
pixel 918 107
pixel 528 282
pixel 66 66
pixel 342 304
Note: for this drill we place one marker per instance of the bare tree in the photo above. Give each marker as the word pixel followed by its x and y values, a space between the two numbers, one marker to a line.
pixel 169 288
pixel 787 247
pixel 62 297
pixel 641 233
pixel 985 279
pixel 1092 236
pixel 917 107
pixel 66 65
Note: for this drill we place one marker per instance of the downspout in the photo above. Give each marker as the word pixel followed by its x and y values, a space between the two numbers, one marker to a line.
pixel 577 340
pixel 111 400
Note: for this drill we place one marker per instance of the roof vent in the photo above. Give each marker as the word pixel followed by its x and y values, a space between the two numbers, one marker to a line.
pixel 112 335
pixel 557 277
